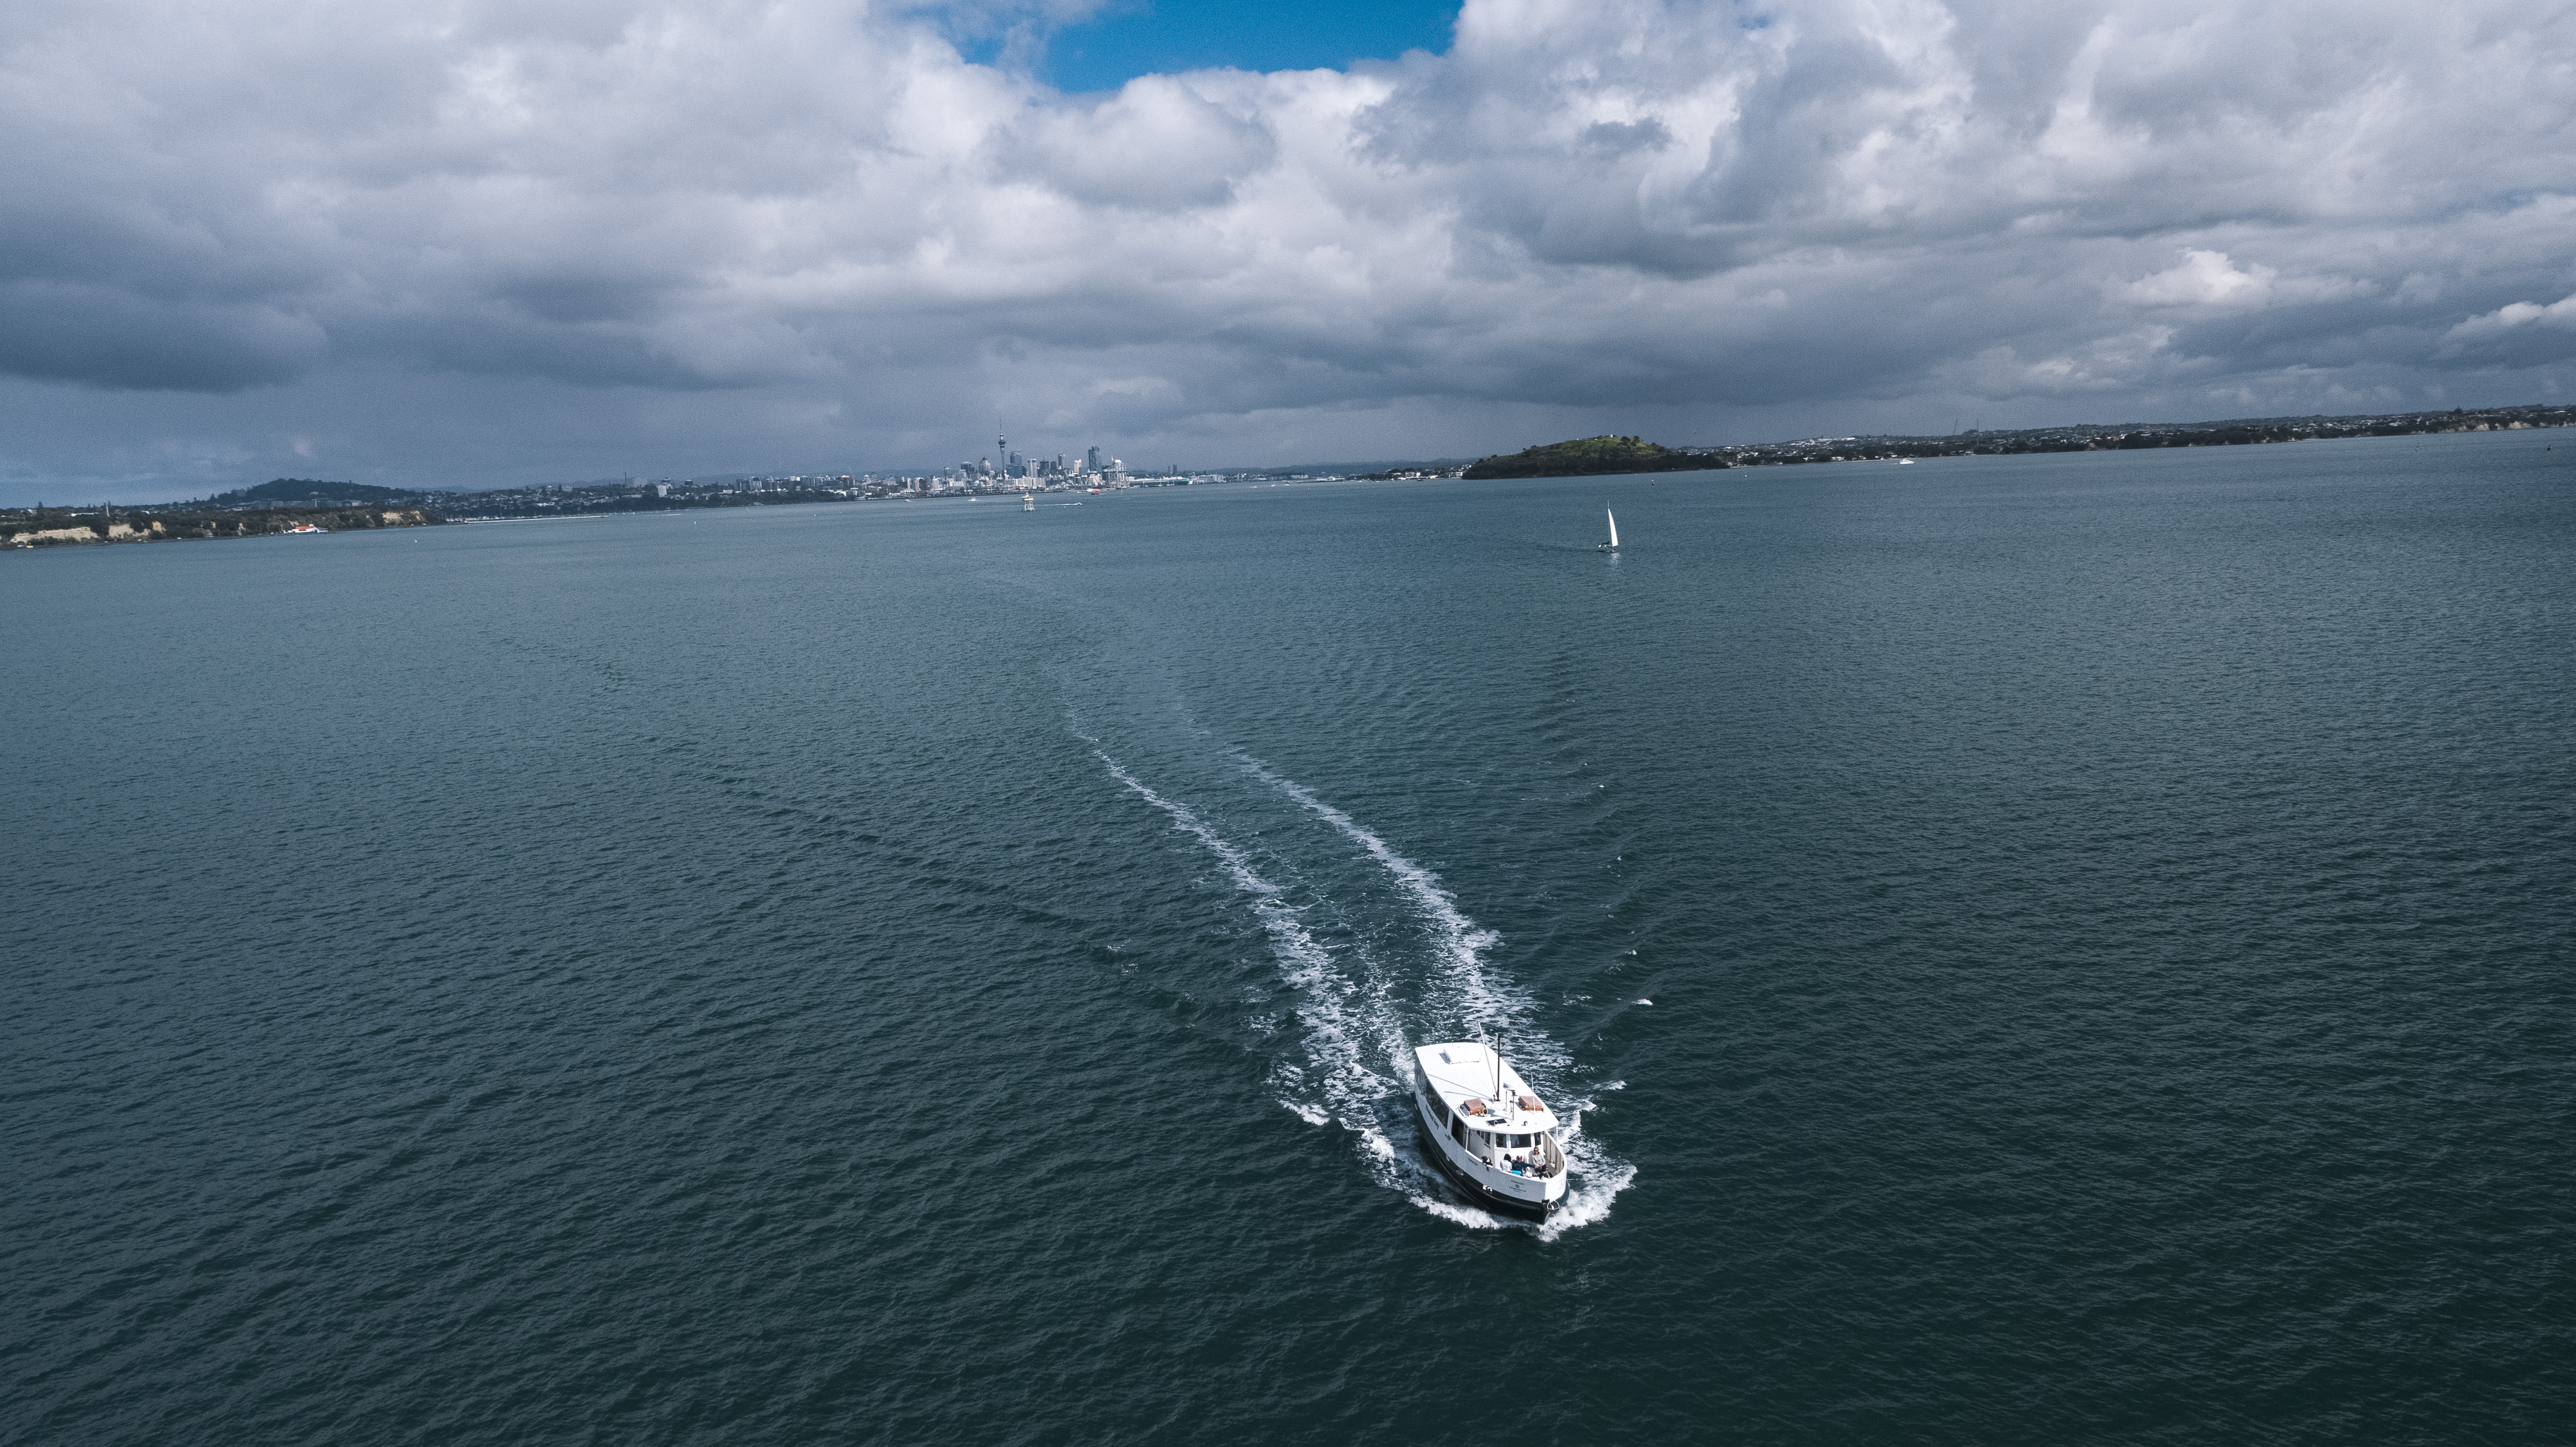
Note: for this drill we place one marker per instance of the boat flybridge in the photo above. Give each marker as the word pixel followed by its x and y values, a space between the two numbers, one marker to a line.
pixel 1487 1131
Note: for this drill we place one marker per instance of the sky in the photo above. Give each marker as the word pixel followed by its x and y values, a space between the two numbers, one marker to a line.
pixel 1119 42
pixel 469 243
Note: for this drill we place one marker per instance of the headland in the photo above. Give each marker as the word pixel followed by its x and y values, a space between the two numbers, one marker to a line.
pixel 45 527
pixel 1595 455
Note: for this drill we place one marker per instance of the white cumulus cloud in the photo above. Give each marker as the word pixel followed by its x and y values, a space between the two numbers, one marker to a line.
pixel 2560 314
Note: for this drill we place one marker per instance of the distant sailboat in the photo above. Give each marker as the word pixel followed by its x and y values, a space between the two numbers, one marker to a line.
pixel 1611 546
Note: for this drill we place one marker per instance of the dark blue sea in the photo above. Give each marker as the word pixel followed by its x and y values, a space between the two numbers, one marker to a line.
pixel 2042 950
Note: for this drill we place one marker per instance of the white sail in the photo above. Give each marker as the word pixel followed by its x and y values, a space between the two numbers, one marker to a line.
pixel 1614 526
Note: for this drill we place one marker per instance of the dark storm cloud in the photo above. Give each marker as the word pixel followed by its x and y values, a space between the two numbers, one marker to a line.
pixel 104 337
pixel 1580 210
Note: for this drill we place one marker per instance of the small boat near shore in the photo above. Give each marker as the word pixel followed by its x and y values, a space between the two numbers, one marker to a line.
pixel 1491 1135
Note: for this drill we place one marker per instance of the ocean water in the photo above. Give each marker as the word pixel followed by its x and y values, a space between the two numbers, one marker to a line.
pixel 2041 950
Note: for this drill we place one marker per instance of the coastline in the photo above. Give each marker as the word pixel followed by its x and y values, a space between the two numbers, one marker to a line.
pixel 1572 459
pixel 141 525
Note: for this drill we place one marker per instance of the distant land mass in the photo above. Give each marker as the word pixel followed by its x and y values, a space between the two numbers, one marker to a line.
pixel 287 503
pixel 1593 455
pixel 173 522
pixel 1590 456
pixel 308 492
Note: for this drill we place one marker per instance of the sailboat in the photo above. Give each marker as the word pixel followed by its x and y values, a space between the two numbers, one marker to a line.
pixel 1611 546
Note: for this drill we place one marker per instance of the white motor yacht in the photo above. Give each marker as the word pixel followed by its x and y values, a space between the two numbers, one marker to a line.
pixel 1487 1130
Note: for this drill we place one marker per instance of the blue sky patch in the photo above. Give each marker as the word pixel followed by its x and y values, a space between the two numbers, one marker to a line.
pixel 1165 36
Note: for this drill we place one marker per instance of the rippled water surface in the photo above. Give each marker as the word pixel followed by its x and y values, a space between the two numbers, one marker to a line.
pixel 936 972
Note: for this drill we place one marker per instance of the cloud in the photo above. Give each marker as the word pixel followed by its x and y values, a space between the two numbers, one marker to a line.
pixel 1705 217
pixel 105 336
pixel 1617 138
pixel 1157 145
pixel 2206 278
pixel 2514 321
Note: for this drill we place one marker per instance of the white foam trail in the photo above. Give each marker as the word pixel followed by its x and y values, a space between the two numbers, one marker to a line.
pixel 1594 1175
pixel 1290 934
pixel 1337 1014
pixel 1329 1005
pixel 1463 941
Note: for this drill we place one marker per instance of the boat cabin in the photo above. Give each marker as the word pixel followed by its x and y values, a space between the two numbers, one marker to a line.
pixel 1487 1109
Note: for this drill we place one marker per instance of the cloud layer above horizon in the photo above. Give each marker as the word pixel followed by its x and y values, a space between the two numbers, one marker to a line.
pixel 472 243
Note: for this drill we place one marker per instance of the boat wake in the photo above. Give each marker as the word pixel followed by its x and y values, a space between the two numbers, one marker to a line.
pixel 1336 1083
pixel 1485 1002
pixel 1463 942
pixel 1356 1039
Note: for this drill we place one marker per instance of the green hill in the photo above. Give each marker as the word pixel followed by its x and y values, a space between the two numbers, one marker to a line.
pixel 1589 455
pixel 305 489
